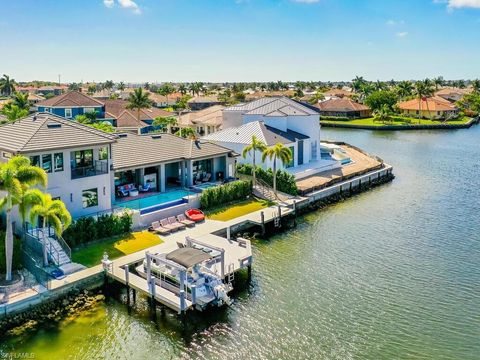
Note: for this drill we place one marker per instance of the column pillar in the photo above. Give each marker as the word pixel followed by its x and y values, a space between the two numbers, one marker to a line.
pixel 161 178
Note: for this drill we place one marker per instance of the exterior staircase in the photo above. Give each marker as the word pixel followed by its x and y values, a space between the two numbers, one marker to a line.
pixel 58 250
pixel 264 191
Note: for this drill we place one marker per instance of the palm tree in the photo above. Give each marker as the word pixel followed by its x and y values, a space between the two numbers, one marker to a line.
pixel 182 89
pixel 256 145
pixel 15 176
pixel 404 89
pixel 165 122
pixel 476 86
pixel 278 151
pixel 384 114
pixel 13 112
pixel 187 133
pixel 53 213
pixel 358 83
pixel 121 86
pixel 165 90
pixel 423 90
pixel 21 100
pixel 7 85
pixel 139 100
pixel 438 81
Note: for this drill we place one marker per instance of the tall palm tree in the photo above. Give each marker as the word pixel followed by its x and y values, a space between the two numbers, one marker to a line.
pixel 357 83
pixel 139 100
pixel 21 100
pixel 121 86
pixel 13 112
pixel 255 145
pixel 53 213
pixel 404 89
pixel 15 176
pixel 182 89
pixel 277 152
pixel 165 122
pixel 438 81
pixel 7 85
pixel 424 89
pixel 165 90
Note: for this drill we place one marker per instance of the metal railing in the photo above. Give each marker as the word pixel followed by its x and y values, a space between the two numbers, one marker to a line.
pixel 61 241
pixel 97 168
pixel 34 239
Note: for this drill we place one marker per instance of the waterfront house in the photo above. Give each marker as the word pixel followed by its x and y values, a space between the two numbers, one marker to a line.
pixel 71 104
pixel 452 94
pixel 204 121
pixel 434 107
pixel 343 107
pixel 51 90
pixel 275 120
pixel 337 93
pixel 77 158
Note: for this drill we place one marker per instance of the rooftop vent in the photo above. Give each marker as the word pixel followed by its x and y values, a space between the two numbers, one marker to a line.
pixel 122 135
pixel 54 125
pixel 156 136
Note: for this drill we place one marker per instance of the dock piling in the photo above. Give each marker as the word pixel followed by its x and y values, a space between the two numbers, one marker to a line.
pixel 262 222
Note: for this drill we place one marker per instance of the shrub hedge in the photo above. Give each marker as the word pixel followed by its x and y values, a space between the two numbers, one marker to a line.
pixel 336 118
pixel 285 181
pixel 88 229
pixel 219 195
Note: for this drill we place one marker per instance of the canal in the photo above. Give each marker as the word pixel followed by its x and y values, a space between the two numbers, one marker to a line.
pixel 393 273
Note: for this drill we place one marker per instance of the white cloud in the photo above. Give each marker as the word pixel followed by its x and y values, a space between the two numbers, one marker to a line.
pixel 401 34
pixel 458 4
pixel 129 4
pixel 108 3
pixel 392 22
pixel 126 4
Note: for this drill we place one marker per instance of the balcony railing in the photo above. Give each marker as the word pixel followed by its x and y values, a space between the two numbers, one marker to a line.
pixel 97 168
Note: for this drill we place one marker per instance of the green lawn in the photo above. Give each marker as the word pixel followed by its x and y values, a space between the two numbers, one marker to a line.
pixel 115 247
pixel 398 121
pixel 241 208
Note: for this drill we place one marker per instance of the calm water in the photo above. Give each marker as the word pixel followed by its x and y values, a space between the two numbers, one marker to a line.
pixel 390 274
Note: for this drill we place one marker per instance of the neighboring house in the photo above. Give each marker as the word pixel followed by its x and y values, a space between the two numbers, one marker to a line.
pixel 76 158
pixel 452 94
pixel 125 119
pixel 54 90
pixel 203 102
pixel 343 107
pixel 255 95
pixel 86 166
pixel 71 104
pixel 274 119
pixel 35 98
pixel 162 101
pixel 429 108
pixel 204 121
pixel 103 94
pixel 337 93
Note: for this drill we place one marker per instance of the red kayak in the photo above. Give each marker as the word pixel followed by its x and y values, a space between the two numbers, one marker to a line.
pixel 195 215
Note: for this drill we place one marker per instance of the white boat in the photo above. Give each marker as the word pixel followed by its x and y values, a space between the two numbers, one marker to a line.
pixel 197 266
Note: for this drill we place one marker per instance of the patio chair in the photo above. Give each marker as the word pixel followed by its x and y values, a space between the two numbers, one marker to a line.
pixel 183 219
pixel 164 223
pixel 207 177
pixel 156 227
pixel 173 222
pixel 146 188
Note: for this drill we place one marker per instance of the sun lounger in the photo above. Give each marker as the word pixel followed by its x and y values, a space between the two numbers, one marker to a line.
pixel 173 221
pixel 207 177
pixel 165 224
pixel 156 227
pixel 183 219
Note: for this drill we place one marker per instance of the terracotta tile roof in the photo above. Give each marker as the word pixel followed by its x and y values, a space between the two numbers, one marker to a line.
pixel 204 99
pixel 117 109
pixel 212 116
pixel 71 98
pixel 338 93
pixel 341 105
pixel 434 103
pixel 452 91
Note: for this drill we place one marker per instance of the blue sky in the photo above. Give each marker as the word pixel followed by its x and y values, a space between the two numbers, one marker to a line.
pixel 239 40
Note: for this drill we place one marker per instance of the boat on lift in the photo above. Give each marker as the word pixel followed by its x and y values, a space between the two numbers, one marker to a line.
pixel 197 268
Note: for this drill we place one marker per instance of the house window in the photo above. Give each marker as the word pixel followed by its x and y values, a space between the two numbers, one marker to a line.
pixel 68 113
pixel 58 162
pixel 103 153
pixel 82 158
pixel 35 160
pixel 88 110
pixel 90 198
pixel 47 162
pixel 6 155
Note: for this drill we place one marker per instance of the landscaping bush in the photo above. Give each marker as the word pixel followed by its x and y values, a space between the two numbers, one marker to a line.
pixel 88 229
pixel 218 195
pixel 17 253
pixel 335 118
pixel 285 181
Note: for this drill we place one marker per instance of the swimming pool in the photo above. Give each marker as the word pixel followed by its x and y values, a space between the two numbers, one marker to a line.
pixel 205 186
pixel 156 202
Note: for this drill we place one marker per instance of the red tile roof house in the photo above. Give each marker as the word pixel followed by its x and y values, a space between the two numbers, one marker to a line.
pixel 343 107
pixel 429 108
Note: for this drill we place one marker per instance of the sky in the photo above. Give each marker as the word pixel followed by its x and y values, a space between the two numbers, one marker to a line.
pixel 238 40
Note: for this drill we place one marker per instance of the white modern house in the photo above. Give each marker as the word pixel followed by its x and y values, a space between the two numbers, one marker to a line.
pixel 275 120
pixel 77 159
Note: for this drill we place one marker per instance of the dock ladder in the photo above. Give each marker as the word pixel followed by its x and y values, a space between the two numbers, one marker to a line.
pixel 231 273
